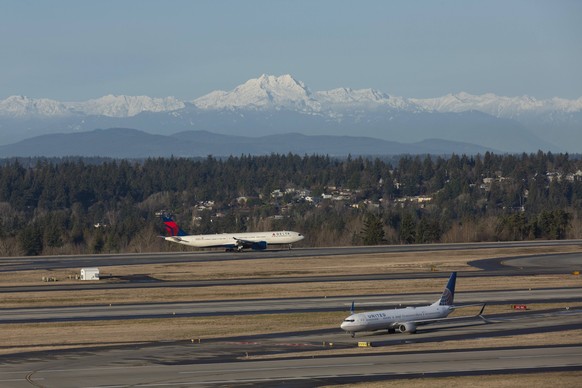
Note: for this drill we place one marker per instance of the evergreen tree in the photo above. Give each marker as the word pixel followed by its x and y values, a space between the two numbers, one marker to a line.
pixel 373 231
pixel 30 240
pixel 408 229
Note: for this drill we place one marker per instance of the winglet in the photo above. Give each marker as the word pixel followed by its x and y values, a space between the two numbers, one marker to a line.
pixel 480 315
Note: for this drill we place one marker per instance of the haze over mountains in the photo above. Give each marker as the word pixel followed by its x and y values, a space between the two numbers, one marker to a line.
pixel 271 105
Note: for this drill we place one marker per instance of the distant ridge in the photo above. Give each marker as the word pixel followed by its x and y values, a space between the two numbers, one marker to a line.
pixel 137 144
pixel 270 105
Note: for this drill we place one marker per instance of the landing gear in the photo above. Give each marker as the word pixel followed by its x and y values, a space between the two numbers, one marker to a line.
pixel 353 335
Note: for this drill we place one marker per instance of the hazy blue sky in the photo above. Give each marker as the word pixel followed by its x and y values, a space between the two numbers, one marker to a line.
pixel 76 50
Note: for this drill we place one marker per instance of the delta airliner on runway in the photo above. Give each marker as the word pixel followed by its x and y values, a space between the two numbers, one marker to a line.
pixel 231 241
pixel 405 320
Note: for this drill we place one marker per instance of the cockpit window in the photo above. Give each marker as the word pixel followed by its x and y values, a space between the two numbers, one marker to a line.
pixel 349 320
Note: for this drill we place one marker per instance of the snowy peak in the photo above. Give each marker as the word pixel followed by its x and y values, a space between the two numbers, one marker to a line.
pixel 110 106
pixel 125 106
pixel 498 106
pixel 285 92
pixel 363 99
pixel 265 92
pixel 487 103
pixel 21 106
pixel 349 95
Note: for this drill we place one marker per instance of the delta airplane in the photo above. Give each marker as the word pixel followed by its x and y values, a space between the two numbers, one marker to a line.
pixel 405 320
pixel 231 241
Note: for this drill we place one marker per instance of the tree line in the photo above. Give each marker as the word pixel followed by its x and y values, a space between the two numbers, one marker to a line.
pixel 76 205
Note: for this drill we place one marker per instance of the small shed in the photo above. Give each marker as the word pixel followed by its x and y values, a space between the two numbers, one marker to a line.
pixel 89 273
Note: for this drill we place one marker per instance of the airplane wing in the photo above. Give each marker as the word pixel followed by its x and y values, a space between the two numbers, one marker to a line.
pixel 243 243
pixel 257 245
pixel 470 305
pixel 479 315
pixel 173 238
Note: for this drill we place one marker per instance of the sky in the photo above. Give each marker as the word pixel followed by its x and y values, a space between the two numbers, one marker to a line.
pixel 71 50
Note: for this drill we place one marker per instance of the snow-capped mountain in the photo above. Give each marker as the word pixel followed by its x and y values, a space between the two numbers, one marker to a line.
pixel 23 107
pixel 270 105
pixel 498 106
pixel 125 106
pixel 265 92
pixel 109 106
pixel 350 99
pixel 285 92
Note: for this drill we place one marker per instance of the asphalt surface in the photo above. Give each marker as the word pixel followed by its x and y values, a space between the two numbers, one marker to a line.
pixel 276 305
pixel 298 372
pixel 232 361
pixel 238 361
pixel 8 264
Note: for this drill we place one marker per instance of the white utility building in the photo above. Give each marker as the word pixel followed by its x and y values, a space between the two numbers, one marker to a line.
pixel 89 273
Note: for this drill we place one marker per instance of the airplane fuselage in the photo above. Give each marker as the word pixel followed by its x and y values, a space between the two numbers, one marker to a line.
pixel 230 239
pixel 393 319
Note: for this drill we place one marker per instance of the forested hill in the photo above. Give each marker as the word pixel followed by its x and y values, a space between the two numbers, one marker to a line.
pixel 98 206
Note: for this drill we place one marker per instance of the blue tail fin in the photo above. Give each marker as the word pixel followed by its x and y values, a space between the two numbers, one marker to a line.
pixel 449 292
pixel 172 228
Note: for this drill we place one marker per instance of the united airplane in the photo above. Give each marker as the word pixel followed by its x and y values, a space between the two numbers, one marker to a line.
pixel 230 241
pixel 405 320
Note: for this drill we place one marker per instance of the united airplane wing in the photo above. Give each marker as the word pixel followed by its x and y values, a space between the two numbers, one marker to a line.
pixel 448 319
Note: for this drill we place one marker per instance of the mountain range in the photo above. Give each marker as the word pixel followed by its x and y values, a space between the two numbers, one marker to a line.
pixel 270 105
pixel 136 144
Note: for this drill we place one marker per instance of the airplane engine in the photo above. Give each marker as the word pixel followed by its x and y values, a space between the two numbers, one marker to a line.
pixel 259 246
pixel 407 327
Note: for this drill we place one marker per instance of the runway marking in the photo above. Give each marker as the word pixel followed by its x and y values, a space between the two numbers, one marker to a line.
pixel 202 382
pixel 542 356
pixel 96 369
pixel 21 380
pixel 243 369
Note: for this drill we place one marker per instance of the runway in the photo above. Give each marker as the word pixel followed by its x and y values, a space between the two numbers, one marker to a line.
pixel 233 361
pixel 10 264
pixel 274 306
pixel 298 372
pixel 306 358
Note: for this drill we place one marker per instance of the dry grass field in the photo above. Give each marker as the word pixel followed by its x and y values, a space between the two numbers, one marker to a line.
pixel 45 336
pixel 273 268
